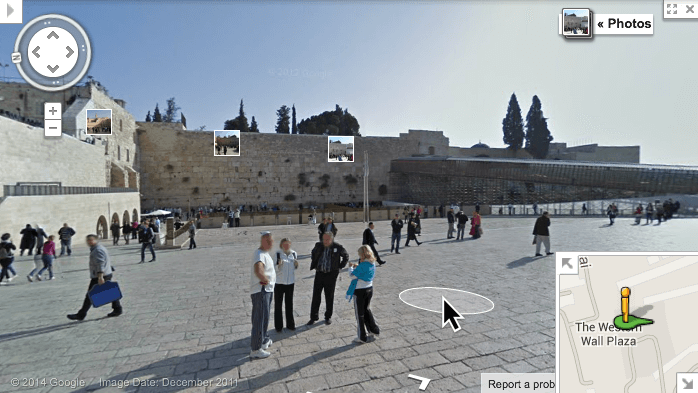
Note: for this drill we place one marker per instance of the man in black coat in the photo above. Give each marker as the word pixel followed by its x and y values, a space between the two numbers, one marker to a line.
pixel 451 221
pixel 321 228
pixel 542 234
pixel 28 241
pixel 370 240
pixel 396 224
pixel 462 220
pixel 327 259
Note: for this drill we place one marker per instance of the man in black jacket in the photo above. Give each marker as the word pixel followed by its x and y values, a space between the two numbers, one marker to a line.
pixel 321 228
pixel 462 219
pixel 542 234
pixel 451 221
pixel 327 259
pixel 397 234
pixel 370 240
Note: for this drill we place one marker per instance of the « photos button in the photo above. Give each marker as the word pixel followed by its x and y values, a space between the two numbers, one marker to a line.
pixel 577 23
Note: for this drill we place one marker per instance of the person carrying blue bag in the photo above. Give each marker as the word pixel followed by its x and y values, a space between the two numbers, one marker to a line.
pixel 100 272
pixel 361 291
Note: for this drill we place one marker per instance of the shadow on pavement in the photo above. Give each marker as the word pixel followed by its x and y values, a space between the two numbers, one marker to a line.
pixel 521 262
pixel 36 332
pixel 211 364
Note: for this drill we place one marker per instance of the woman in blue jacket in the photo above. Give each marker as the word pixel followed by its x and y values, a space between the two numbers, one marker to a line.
pixel 361 291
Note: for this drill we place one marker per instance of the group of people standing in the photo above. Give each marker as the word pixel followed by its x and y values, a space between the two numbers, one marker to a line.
pixel 38 243
pixel 273 277
pixel 457 222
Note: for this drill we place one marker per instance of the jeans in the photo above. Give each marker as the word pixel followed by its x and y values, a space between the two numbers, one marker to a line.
pixel 192 243
pixel 283 293
pixel 461 232
pixel 237 222
pixel 115 239
pixel 143 247
pixel 87 303
pixel 65 246
pixel 324 282
pixel 450 230
pixel 395 241
pixel 261 306
pixel 48 264
pixel 126 237
pixel 364 316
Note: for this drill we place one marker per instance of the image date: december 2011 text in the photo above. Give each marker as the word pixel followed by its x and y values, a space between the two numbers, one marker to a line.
pixel 164 382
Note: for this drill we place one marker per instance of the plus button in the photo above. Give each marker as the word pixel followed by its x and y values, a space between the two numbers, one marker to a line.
pixel 53 111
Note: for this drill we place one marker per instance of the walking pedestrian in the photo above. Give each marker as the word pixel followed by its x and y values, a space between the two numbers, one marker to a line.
pixel 126 229
pixel 451 218
pixel 535 209
pixel 48 258
pixel 584 209
pixel 236 216
pixel 660 213
pixel 327 258
pixel 331 227
pixel 38 265
pixel 649 212
pixel 6 258
pixel 397 225
pixel 541 234
pixel 360 292
pixel 100 272
pixel 369 239
pixel 286 265
pixel 461 218
pixel 611 214
pixel 263 280
pixel 147 238
pixel 192 234
pixel 41 237
pixel 412 231
pixel 66 235
pixel 28 240
pixel 134 230
pixel 475 228
pixel 115 232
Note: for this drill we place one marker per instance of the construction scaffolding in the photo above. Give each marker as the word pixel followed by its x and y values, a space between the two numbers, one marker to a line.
pixel 442 180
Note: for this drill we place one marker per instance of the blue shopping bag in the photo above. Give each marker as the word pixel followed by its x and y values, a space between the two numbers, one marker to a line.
pixel 104 294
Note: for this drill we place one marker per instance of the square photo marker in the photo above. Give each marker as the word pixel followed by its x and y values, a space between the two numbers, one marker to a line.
pixel 340 149
pixel 226 143
pixel 577 23
pixel 98 121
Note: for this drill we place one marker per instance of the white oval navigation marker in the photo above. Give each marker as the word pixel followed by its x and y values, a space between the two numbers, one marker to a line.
pixel 430 299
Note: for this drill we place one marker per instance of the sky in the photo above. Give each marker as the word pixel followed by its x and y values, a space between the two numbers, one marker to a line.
pixel 341 139
pixel 225 134
pixel 444 65
pixel 98 113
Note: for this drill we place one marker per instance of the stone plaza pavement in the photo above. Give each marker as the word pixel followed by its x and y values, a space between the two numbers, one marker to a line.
pixel 187 316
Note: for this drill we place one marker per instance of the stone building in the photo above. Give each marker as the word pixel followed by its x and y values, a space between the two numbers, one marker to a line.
pixel 49 181
pixel 340 148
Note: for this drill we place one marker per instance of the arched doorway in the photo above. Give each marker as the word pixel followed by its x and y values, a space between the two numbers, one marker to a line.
pixel 126 219
pixel 135 215
pixel 102 228
pixel 115 217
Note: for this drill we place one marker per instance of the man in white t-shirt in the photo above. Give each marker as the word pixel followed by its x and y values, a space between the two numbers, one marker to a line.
pixel 262 283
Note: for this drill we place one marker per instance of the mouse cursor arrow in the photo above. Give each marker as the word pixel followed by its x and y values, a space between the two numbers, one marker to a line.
pixel 449 314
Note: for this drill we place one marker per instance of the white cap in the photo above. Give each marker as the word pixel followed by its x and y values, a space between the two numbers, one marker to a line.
pixel 265 233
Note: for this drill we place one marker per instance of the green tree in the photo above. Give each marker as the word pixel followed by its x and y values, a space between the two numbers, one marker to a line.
pixel 157 117
pixel 171 112
pixel 148 119
pixel 538 136
pixel 337 122
pixel 294 126
pixel 512 125
pixel 253 126
pixel 283 119
pixel 242 119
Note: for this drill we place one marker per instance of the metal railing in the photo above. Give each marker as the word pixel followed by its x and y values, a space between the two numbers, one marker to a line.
pixel 40 190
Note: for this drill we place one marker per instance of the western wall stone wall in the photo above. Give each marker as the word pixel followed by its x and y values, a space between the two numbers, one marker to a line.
pixel 178 168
